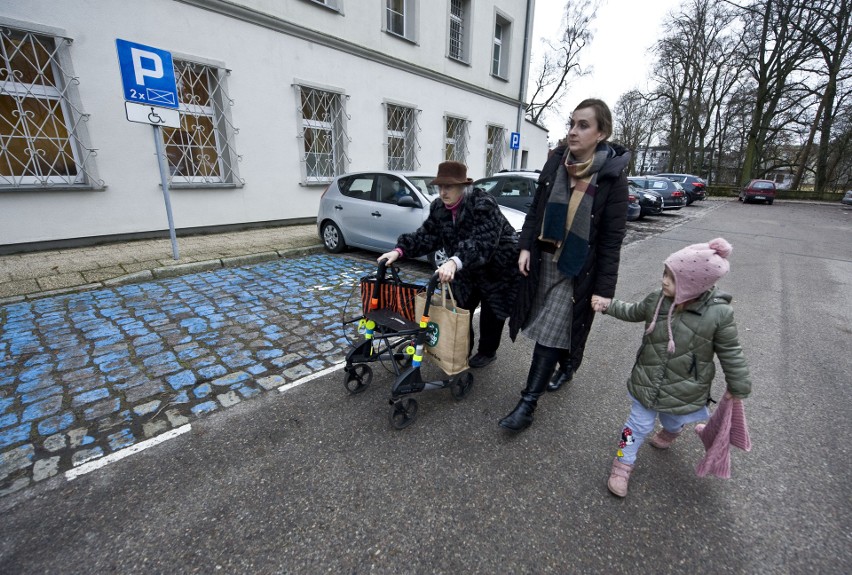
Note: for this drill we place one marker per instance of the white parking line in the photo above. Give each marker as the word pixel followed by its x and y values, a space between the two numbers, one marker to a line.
pixel 89 466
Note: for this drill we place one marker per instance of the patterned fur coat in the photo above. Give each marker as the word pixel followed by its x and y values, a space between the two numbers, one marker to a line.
pixel 485 242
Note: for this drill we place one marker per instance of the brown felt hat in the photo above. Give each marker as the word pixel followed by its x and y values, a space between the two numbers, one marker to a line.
pixel 450 173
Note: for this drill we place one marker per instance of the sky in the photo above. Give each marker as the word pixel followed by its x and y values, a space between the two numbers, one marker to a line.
pixel 618 54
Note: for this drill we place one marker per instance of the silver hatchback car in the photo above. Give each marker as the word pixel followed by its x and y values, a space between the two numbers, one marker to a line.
pixel 369 210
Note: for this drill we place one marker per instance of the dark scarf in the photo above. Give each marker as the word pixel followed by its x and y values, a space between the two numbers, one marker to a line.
pixel 568 213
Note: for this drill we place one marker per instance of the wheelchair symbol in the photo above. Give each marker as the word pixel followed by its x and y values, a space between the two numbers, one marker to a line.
pixel 155 118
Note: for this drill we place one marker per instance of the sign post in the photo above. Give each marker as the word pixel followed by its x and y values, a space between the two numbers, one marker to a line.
pixel 150 93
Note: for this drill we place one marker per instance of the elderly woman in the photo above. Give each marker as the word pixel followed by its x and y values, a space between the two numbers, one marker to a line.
pixel 482 248
pixel 570 251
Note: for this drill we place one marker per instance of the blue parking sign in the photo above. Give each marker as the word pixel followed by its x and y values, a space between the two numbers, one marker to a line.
pixel 148 74
pixel 515 141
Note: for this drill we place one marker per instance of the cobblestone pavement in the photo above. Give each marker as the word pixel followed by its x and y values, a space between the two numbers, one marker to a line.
pixel 87 374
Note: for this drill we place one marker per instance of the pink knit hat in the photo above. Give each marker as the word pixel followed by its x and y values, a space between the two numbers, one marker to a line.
pixel 696 269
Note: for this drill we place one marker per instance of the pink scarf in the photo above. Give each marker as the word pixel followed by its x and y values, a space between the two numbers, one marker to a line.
pixel 726 427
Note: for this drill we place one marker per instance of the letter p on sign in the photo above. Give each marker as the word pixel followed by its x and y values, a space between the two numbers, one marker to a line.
pixel 140 71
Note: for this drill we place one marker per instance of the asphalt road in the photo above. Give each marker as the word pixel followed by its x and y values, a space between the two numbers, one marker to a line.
pixel 315 480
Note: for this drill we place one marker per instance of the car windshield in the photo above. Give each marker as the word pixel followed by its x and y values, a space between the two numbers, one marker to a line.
pixel 763 185
pixel 422 184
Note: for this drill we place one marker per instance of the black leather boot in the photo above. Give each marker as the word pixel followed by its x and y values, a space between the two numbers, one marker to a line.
pixel 563 375
pixel 539 375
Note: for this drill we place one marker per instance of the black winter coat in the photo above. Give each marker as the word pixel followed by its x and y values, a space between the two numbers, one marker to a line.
pixel 600 272
pixel 485 242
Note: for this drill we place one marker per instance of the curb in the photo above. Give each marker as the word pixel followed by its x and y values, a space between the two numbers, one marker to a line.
pixel 171 272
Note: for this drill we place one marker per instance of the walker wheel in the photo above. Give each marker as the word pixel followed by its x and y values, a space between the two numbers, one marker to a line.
pixel 357 378
pixel 460 386
pixel 403 412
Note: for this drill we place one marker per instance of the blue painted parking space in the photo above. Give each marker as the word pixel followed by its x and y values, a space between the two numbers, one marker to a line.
pixel 87 374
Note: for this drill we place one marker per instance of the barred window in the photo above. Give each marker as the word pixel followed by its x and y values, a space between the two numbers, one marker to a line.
pixel 455 139
pixel 459 11
pixel 402 129
pixel 42 127
pixel 323 134
pixel 202 150
pixel 494 149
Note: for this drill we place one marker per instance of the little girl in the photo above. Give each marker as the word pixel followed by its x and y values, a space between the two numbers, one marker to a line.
pixel 674 369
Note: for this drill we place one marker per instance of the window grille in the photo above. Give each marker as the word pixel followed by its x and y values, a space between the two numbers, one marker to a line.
pixel 41 123
pixel 402 129
pixel 455 139
pixel 395 10
pixel 323 134
pixel 494 150
pixel 457 30
pixel 202 150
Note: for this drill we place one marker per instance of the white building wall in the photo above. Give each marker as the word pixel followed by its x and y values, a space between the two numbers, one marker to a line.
pixel 264 65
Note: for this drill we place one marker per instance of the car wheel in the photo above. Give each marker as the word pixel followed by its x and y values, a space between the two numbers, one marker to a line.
pixel 437 258
pixel 769 202
pixel 332 238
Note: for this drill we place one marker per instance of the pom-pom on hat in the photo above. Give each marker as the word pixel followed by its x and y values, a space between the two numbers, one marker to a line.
pixel 698 267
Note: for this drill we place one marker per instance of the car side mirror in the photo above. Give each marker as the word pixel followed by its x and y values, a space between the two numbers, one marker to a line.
pixel 406 201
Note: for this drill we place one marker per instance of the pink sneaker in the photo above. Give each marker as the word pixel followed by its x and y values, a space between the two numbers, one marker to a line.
pixel 663 439
pixel 619 476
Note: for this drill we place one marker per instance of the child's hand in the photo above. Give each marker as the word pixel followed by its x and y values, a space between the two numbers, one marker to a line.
pixel 600 304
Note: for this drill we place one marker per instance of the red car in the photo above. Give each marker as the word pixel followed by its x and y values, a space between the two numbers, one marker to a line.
pixel 758 191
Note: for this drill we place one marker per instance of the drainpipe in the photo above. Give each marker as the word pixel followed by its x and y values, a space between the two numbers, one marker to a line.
pixel 525 70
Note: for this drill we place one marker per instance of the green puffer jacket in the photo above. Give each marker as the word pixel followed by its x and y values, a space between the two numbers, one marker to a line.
pixel 679 383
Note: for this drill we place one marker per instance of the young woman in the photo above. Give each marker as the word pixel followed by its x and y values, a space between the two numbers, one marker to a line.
pixel 570 250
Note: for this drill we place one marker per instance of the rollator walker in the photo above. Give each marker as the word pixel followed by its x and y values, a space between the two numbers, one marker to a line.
pixel 390 335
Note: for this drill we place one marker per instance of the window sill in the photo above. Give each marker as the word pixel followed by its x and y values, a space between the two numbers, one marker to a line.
pixel 501 78
pixel 459 61
pixel 27 188
pixel 400 37
pixel 202 186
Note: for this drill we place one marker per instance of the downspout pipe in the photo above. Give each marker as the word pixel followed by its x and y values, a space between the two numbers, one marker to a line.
pixel 525 72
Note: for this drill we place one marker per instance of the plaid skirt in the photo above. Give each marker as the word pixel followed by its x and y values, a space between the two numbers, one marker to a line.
pixel 552 309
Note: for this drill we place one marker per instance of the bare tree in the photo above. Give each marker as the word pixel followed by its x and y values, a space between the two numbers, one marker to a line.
pixel 830 31
pixel 560 61
pixel 634 124
pixel 775 51
pixel 697 68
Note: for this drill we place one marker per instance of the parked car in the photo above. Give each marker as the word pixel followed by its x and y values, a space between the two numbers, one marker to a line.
pixel 847 198
pixel 650 202
pixel 634 210
pixel 694 186
pixel 369 210
pixel 674 198
pixel 511 189
pixel 758 191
